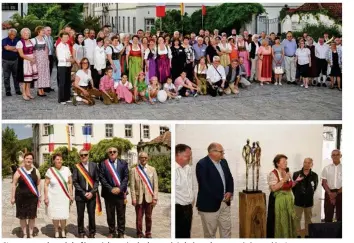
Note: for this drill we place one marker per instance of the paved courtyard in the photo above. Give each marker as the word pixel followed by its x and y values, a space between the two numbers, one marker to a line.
pixel 268 102
pixel 161 219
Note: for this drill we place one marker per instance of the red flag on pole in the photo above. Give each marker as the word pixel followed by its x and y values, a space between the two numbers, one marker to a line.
pixel 203 10
pixel 160 10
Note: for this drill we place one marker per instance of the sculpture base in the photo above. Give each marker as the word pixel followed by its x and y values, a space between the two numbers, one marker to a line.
pixel 251 191
pixel 252 211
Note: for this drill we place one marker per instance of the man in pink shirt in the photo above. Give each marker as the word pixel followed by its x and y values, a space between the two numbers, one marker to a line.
pixel 185 87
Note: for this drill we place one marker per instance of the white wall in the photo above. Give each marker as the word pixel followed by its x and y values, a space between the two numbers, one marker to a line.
pixel 295 141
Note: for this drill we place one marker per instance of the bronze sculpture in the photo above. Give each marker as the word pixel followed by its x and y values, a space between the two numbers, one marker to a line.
pixel 252 158
pixel 246 152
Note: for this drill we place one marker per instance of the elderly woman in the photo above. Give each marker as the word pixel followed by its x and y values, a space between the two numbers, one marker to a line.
pixel 58 194
pixel 303 60
pixel 84 86
pixel 163 60
pixel 278 61
pixel 135 57
pixel 242 52
pixel 42 60
pixel 27 68
pixel 313 69
pixel 281 214
pixel 265 63
pixel 253 54
pixel 225 50
pixel 334 59
pixel 26 194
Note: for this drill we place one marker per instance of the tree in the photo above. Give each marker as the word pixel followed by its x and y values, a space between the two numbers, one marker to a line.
pixel 173 21
pixel 226 16
pixel 28 21
pixel 9 149
pixel 98 151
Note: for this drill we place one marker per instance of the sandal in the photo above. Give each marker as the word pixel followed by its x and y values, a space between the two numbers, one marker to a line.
pixel 25 98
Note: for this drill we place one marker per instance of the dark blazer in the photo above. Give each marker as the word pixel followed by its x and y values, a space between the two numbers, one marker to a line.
pixel 107 182
pixel 211 188
pixel 79 182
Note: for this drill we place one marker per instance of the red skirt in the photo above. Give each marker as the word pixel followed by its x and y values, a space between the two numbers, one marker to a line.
pixel 266 66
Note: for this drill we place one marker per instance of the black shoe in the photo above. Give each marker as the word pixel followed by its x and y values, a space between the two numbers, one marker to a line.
pixel 47 90
pixel 306 236
pixel 120 235
pixel 8 94
pixel 82 235
pixel 318 84
pixel 295 82
pixel 324 85
pixel 340 89
pixel 43 95
pixel 18 92
pixel 91 235
pixel 298 236
pixel 52 90
pixel 288 82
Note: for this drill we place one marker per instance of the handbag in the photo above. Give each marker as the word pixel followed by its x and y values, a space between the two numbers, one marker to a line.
pixel 278 70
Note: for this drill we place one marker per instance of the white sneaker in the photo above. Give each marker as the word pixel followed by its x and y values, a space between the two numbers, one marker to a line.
pixel 261 83
pixel 196 94
pixel 178 97
pixel 301 85
pixel 63 103
pixel 280 83
pixel 69 101
pixel 276 83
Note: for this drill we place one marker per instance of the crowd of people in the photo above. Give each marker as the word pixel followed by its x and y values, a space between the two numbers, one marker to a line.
pixel 291 195
pixel 120 67
pixel 62 187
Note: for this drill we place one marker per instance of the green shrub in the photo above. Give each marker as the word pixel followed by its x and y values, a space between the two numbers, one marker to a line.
pixel 316 31
pixel 162 164
pixel 43 169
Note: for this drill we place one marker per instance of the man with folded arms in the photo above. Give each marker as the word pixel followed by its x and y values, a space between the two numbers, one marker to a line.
pixel 114 175
pixel 184 191
pixel 216 187
pixel 86 181
pixel 144 190
pixel 332 183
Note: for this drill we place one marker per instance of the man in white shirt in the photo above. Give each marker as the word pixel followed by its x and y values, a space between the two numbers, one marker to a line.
pixel 321 50
pixel 90 46
pixel 184 191
pixel 216 78
pixel 332 183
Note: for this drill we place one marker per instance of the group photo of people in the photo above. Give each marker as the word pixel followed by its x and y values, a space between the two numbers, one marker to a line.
pixel 103 189
pixel 292 184
pixel 117 67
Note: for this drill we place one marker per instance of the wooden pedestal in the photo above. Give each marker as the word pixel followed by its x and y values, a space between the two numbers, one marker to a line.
pixel 252 209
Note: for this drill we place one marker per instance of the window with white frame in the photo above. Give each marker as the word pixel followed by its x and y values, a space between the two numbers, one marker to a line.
pixel 128 130
pixel 46 129
pixel 163 130
pixel 109 130
pixel 146 130
pixel 149 23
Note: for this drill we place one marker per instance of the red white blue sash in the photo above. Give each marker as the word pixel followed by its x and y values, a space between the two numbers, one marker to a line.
pixel 29 181
pixel 144 177
pixel 113 173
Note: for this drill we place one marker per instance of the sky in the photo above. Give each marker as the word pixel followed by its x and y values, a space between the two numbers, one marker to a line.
pixel 22 130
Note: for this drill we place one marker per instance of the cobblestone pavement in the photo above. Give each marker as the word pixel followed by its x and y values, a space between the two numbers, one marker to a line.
pixel 161 219
pixel 268 102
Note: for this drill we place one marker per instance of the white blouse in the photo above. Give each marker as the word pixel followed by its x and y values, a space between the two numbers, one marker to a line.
pixel 127 84
pixel 100 58
pixel 19 45
pixel 226 47
pixel 116 49
pixel 63 53
pixel 84 77
pixel 166 51
pixel 198 70
pixel 303 56
pixel 147 52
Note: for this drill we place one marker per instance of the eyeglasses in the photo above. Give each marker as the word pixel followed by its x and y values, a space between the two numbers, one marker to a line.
pixel 112 152
pixel 83 155
pixel 143 158
pixel 221 151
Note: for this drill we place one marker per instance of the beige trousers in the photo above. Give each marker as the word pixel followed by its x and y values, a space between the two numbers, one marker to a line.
pixel 221 218
pixel 290 68
pixel 308 216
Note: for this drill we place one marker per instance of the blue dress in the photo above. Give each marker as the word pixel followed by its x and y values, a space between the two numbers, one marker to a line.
pixel 277 56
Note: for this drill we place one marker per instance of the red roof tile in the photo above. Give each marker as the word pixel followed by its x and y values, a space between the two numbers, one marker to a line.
pixel 334 9
pixel 164 139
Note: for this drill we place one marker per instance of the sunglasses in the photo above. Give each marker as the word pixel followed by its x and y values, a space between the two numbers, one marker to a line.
pixel 112 152
pixel 83 155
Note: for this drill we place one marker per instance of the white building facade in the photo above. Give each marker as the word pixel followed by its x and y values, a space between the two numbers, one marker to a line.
pixel 9 9
pixel 130 17
pixel 132 132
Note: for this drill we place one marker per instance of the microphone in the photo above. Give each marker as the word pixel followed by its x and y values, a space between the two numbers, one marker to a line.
pixel 287 170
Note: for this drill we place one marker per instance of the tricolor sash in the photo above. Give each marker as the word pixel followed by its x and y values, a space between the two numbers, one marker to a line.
pixel 61 181
pixel 144 177
pixel 91 183
pixel 113 173
pixel 29 181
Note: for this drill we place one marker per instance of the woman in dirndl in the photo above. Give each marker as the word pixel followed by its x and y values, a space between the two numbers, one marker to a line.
pixel 200 71
pixel 123 58
pixel 25 198
pixel 27 68
pixel 242 52
pixel 134 58
pixel 312 72
pixel 150 61
pixel 265 63
pixel 163 60
pixel 42 61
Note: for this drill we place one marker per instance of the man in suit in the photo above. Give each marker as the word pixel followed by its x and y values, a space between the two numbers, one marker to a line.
pixel 85 194
pixel 144 190
pixel 114 175
pixel 215 190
